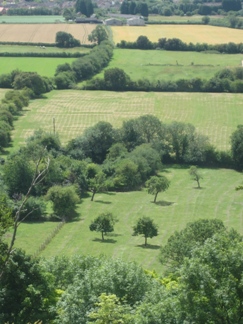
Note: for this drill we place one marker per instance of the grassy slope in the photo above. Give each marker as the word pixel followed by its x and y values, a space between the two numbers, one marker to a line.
pixel 170 65
pixel 215 115
pixel 37 49
pixel 176 207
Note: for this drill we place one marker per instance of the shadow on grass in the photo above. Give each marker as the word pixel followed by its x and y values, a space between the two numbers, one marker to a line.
pixel 113 234
pixel 102 202
pixel 109 193
pixel 198 188
pixel 163 203
pixel 149 246
pixel 105 240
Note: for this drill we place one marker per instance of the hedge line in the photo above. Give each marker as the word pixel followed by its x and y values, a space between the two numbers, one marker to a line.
pixel 32 54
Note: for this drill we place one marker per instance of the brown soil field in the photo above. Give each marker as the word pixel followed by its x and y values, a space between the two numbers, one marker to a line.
pixel 43 33
pixel 187 33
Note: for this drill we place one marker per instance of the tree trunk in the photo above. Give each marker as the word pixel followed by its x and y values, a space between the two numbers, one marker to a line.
pixel 155 197
pixel 198 184
pixel 145 240
pixel 93 194
pixel 102 234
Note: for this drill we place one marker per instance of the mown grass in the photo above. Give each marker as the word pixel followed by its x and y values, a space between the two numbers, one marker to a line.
pixel 45 66
pixel 214 115
pixel 170 65
pixel 31 19
pixel 182 203
pixel 187 33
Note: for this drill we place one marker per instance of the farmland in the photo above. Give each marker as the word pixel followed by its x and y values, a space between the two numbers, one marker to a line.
pixel 187 33
pixel 171 65
pixel 215 115
pixel 175 208
pixel 43 33
pixel 31 19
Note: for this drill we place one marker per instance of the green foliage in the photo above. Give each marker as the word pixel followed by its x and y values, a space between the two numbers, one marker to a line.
pixel 34 210
pixel 145 226
pixel 84 7
pixel 95 179
pixel 26 291
pixel 66 40
pixel 64 201
pixel 17 174
pixel 237 146
pixel 157 184
pixel 116 79
pixel 98 35
pixel 181 244
pixel 104 223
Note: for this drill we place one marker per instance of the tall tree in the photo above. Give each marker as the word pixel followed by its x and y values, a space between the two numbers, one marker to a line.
pixel 237 146
pixel 195 175
pixel 157 184
pixel 98 35
pixel 145 226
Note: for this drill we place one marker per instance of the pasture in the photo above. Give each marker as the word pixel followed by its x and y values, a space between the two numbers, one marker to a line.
pixel 31 19
pixel 40 49
pixel 43 33
pixel 171 65
pixel 45 66
pixel 187 33
pixel 214 115
pixel 180 204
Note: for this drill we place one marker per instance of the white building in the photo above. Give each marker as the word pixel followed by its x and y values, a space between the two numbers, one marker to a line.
pixel 113 22
pixel 136 21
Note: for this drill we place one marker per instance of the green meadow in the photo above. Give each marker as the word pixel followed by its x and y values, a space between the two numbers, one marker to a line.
pixel 45 66
pixel 180 204
pixel 171 65
pixel 38 49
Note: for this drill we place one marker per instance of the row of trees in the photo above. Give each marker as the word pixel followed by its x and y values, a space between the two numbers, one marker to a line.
pixel 134 8
pixel 175 44
pixel 115 79
pixel 201 284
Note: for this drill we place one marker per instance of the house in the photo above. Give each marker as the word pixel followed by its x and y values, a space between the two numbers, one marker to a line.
pixel 113 22
pixel 136 21
pixel 88 21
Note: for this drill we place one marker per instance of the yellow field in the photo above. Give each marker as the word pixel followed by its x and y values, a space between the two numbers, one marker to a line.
pixel 187 33
pixel 43 33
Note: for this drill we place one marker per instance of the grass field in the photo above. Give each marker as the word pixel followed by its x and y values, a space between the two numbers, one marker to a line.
pixel 187 33
pixel 45 66
pixel 38 49
pixel 171 65
pixel 215 115
pixel 43 33
pixel 176 207
pixel 31 19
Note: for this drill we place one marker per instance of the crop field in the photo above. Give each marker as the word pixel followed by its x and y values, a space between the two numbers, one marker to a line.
pixel 31 19
pixel 215 115
pixel 45 66
pixel 171 65
pixel 43 33
pixel 180 204
pixel 187 33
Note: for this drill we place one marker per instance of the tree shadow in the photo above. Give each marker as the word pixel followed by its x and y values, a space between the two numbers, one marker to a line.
pixel 149 246
pixel 113 234
pixel 109 193
pixel 198 188
pixel 163 203
pixel 105 241
pixel 102 202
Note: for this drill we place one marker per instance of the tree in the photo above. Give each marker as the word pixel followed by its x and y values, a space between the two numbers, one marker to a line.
pixel 205 20
pixel 180 244
pixel 85 7
pixel 64 201
pixel 116 79
pixel 145 226
pixel 104 223
pixel 66 40
pixel 195 175
pixel 32 81
pixel 157 184
pixel 143 43
pixel 237 146
pixel 98 35
pixel 96 179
